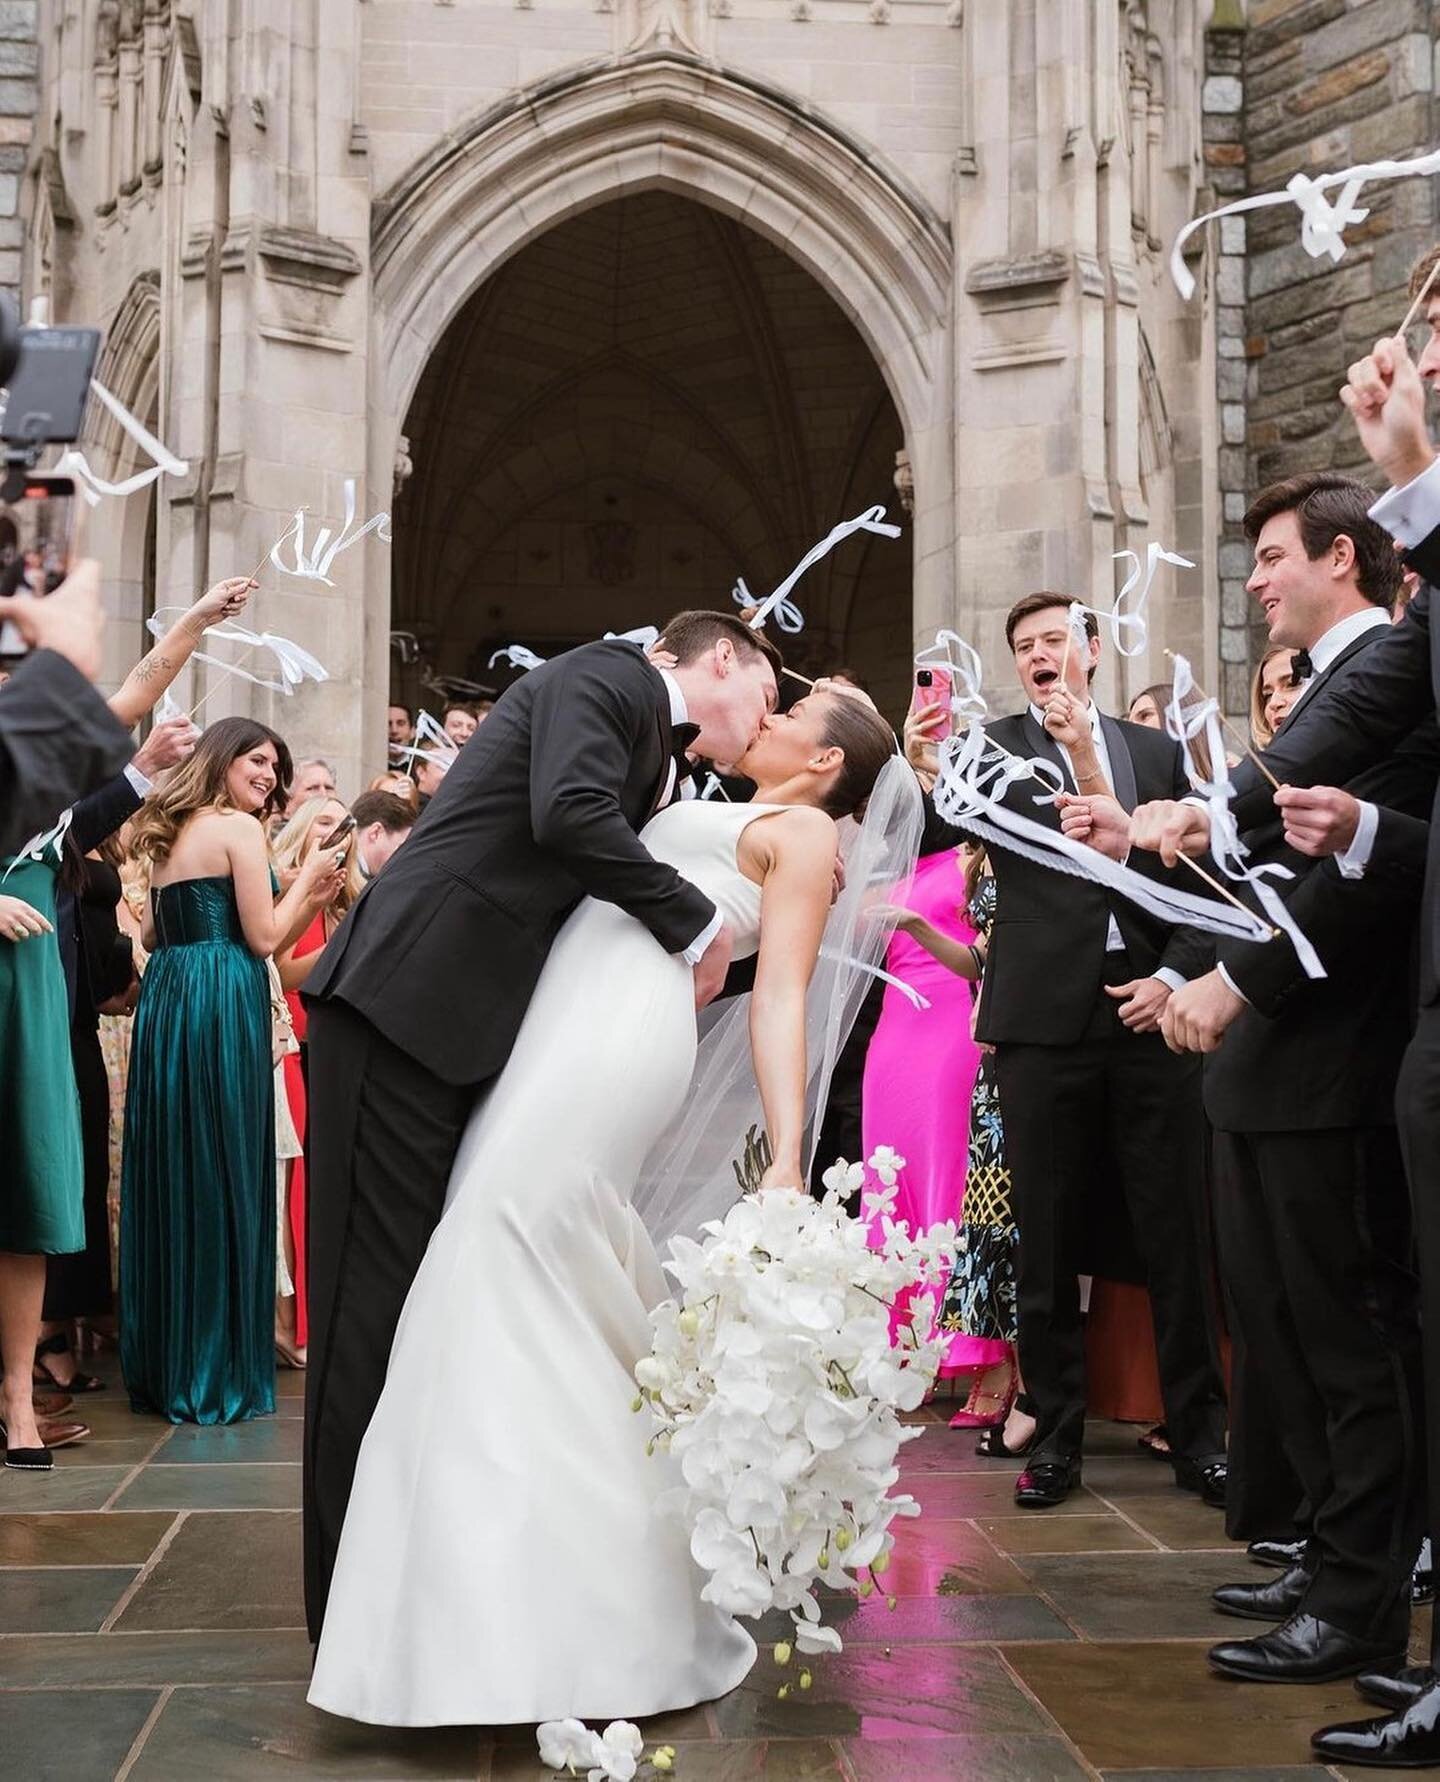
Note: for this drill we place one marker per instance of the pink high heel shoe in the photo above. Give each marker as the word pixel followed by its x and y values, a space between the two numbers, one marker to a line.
pixel 983 1410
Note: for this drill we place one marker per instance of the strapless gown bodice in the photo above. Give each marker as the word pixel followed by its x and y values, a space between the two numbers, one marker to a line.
pixel 699 838
pixel 191 911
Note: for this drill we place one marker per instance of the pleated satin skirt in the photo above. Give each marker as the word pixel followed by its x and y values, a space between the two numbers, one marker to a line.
pixel 197 1198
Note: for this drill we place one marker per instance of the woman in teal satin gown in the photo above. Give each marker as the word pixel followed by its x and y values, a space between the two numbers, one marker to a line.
pixel 197 1200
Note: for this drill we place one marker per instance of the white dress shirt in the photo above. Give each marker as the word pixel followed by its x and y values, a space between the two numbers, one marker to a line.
pixel 680 714
pixel 1412 512
pixel 1114 940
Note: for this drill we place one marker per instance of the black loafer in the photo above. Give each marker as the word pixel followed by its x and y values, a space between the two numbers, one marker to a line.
pixel 25 1460
pixel 1281 1554
pixel 1409 1740
pixel 1422 1579
pixel 1273 1600
pixel 1045 1483
pixel 1206 1478
pixel 1398 1691
pixel 1305 1649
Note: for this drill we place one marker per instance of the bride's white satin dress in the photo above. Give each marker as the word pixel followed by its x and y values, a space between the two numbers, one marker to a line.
pixel 503 1559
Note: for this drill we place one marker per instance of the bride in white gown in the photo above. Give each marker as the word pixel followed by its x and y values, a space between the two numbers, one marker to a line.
pixel 503 1559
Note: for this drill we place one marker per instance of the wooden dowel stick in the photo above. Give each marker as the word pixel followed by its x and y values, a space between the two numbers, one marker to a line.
pixel 1420 297
pixel 798 677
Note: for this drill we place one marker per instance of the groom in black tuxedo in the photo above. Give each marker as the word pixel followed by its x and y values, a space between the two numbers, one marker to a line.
pixel 416 1002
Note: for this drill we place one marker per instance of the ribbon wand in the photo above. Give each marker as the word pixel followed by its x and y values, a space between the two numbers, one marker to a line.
pixel 1247 747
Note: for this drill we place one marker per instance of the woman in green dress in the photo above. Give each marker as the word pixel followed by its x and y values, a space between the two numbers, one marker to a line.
pixel 197 1201
pixel 42 1198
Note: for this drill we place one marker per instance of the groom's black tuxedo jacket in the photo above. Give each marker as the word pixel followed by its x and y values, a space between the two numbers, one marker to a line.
pixel 1046 961
pixel 1324 1054
pixel 541 808
pixel 1348 726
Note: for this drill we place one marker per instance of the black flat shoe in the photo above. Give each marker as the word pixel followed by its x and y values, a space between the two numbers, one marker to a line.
pixel 1046 1483
pixel 1205 1478
pixel 1409 1740
pixel 1397 1692
pixel 1305 1649
pixel 1281 1554
pixel 26 1460
pixel 1274 1600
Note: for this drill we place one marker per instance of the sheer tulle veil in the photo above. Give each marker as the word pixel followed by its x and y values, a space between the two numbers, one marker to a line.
pixel 689 1176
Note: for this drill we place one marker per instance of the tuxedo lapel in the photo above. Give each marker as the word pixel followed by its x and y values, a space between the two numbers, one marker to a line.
pixel 1038 741
pixel 1318 681
pixel 1122 768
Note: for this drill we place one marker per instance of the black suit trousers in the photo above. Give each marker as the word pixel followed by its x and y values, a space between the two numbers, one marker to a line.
pixel 383 1134
pixel 1417 1105
pixel 1314 1239
pixel 1117 1102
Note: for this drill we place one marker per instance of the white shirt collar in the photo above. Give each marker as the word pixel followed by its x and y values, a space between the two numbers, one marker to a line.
pixel 679 711
pixel 1340 636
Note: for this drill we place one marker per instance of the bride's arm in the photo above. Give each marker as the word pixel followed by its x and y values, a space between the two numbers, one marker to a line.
pixel 794 904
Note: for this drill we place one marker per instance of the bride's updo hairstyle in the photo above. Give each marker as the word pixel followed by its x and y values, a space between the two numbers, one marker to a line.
pixel 868 742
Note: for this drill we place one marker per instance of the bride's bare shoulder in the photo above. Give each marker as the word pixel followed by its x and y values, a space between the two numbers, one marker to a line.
pixel 799 830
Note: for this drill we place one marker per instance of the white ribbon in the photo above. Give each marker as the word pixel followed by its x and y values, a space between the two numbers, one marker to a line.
pixel 295 664
pixel 908 991
pixel 787 615
pixel 163 460
pixel 646 636
pixel 315 564
pixel 37 845
pixel 518 657
pixel 1322 223
pixel 1137 583
pixel 1227 850
pixel 431 744
pixel 951 653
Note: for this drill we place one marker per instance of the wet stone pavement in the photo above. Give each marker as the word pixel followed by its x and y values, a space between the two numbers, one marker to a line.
pixel 151 1628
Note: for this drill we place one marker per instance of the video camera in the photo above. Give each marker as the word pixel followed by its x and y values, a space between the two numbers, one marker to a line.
pixel 46 375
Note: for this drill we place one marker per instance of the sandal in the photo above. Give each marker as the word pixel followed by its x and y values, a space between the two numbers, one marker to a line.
pixel 59 1344
pixel 287 1355
pixel 992 1444
pixel 1156 1442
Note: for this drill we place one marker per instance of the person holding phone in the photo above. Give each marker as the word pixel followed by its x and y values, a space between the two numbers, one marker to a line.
pixel 197 1205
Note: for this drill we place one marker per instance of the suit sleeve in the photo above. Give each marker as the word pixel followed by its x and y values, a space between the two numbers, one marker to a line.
pixel 58 739
pixel 1189 951
pixel 1345 727
pixel 584 730
pixel 100 813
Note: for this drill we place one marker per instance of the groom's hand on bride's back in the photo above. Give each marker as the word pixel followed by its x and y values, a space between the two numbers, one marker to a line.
pixel 713 965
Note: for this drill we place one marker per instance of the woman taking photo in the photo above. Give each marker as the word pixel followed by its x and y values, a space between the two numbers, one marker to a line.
pixel 197 1206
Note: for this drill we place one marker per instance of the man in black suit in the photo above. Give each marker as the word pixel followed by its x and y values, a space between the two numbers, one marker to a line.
pixel 415 1004
pixel 1311 1213
pixel 1076 982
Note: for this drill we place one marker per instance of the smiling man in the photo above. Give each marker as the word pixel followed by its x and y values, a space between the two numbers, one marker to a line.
pixel 1076 984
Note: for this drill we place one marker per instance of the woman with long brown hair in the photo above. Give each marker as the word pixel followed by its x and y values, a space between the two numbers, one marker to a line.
pixel 197 1205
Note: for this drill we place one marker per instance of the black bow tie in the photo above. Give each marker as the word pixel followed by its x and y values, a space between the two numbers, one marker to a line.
pixel 1301 667
pixel 681 737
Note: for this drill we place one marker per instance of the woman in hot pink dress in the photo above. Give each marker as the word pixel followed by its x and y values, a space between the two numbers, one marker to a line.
pixel 919 1073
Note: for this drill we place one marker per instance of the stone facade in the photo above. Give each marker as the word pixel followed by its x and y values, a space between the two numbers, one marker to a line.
pixel 613 301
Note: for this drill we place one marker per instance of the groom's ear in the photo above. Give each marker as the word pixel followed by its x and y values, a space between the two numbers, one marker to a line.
pixel 724 656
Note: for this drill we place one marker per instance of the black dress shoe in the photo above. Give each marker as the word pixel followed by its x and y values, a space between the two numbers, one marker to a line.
pixel 1045 1483
pixel 1409 1740
pixel 1422 1579
pixel 1398 1691
pixel 1305 1649
pixel 1281 1554
pixel 1206 1477
pixel 1271 1601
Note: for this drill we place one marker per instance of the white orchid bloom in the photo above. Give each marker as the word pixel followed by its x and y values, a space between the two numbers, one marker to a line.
pixel 843 1178
pixel 568 1745
pixel 621 1748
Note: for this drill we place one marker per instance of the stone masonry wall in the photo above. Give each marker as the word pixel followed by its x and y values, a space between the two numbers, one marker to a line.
pixel 19 102
pixel 1327 83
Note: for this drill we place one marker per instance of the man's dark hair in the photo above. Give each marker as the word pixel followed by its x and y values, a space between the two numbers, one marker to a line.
pixel 457 705
pixel 399 705
pixel 1041 602
pixel 1421 270
pixel 689 635
pixel 385 808
pixel 1326 505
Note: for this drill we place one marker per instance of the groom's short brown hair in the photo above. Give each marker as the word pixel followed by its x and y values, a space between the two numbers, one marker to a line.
pixel 689 635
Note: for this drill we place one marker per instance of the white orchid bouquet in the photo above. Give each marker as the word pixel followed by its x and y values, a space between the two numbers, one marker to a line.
pixel 774 1382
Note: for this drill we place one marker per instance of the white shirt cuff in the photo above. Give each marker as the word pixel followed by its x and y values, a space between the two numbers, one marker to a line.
pixel 696 950
pixel 1230 982
pixel 141 785
pixel 1412 512
pixel 1356 858
pixel 1171 979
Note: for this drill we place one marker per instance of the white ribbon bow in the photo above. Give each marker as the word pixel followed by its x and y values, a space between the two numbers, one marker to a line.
pixel 1227 850
pixel 294 663
pixel 315 564
pixel 646 636
pixel 163 461
pixel 787 615
pixel 518 657
pixel 1321 223
pixel 36 847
